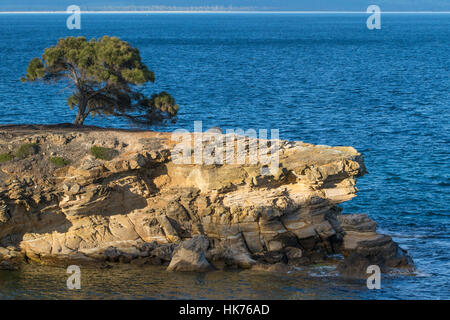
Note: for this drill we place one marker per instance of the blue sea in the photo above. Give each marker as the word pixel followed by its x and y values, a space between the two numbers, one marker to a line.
pixel 318 78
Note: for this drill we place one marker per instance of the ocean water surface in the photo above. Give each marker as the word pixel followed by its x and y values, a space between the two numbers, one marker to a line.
pixel 323 79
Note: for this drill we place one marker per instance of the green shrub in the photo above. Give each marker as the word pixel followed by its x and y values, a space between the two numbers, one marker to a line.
pixel 27 150
pixel 103 153
pixel 5 157
pixel 59 162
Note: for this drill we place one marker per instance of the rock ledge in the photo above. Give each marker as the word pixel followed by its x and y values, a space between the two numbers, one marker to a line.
pixel 142 207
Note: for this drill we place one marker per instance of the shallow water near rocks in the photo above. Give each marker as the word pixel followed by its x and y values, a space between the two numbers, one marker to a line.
pixel 125 282
pixel 322 79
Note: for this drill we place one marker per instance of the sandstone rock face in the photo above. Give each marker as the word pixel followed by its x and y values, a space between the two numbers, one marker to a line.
pixel 143 206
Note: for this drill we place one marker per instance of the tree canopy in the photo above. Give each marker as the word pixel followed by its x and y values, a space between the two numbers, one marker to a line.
pixel 105 77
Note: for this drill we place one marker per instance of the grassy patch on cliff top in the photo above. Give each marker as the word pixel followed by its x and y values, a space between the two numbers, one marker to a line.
pixel 103 153
pixel 59 161
pixel 6 157
pixel 27 150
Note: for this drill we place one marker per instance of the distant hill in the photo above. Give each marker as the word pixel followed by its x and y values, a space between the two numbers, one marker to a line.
pixel 341 5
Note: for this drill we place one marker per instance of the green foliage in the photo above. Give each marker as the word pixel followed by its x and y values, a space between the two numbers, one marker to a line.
pixel 35 70
pixel 103 153
pixel 6 157
pixel 164 102
pixel 105 76
pixel 59 161
pixel 27 150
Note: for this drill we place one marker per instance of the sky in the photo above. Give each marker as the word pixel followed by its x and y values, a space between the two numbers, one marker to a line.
pixel 288 5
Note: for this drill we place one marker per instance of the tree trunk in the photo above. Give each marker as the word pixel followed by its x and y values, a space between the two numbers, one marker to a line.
pixel 81 116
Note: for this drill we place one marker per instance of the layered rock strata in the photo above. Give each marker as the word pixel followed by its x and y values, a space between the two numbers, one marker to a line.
pixel 142 207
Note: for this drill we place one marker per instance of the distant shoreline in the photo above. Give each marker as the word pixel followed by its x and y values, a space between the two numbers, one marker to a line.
pixel 223 12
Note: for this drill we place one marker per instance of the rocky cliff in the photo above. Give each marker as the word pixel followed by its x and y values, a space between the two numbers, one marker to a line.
pixel 62 202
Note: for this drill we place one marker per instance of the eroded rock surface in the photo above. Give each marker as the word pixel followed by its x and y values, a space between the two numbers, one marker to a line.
pixel 142 207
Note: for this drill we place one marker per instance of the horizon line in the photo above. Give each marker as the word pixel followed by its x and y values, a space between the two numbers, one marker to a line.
pixel 220 11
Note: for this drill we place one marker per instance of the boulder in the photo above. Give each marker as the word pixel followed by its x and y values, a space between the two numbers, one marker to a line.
pixel 190 255
pixel 380 251
pixel 231 253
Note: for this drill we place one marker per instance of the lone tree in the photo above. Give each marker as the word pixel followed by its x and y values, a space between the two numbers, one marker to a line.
pixel 105 76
